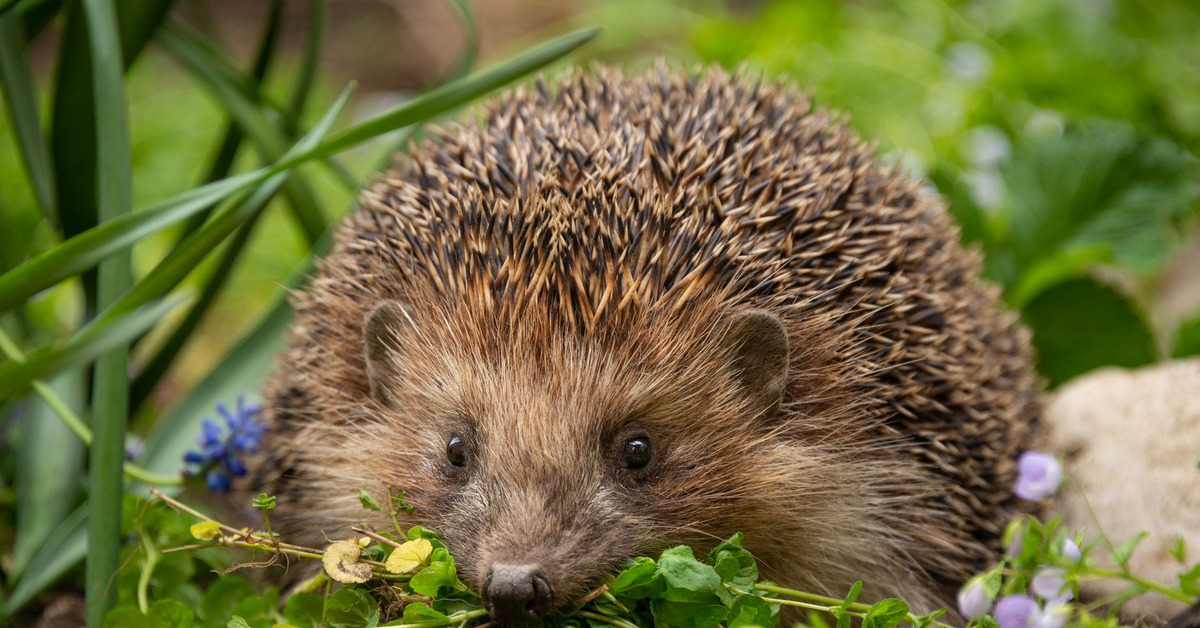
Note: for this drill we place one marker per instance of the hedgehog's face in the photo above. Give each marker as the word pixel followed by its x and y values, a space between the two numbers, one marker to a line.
pixel 546 465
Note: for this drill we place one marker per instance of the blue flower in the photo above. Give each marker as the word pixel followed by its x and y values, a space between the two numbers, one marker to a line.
pixel 219 455
pixel 1039 475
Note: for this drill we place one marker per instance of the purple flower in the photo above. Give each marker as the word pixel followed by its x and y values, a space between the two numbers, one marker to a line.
pixel 1055 615
pixel 1017 611
pixel 219 454
pixel 1015 543
pixel 1070 550
pixel 1039 475
pixel 973 601
pixel 1048 584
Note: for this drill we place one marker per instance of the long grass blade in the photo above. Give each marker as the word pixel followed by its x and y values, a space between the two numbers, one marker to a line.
pixel 73 256
pixel 20 95
pixel 183 260
pixel 446 97
pixel 85 250
pixel 190 49
pixel 231 139
pixel 241 371
pixel 94 245
pixel 470 53
pixel 49 465
pixel 63 549
pixel 313 38
pixel 110 389
pixel 158 365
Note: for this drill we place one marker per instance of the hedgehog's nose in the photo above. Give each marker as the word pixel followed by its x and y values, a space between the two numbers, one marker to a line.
pixel 516 594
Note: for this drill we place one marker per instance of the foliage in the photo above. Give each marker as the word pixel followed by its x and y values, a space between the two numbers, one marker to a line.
pixel 401 577
pixel 98 301
pixel 1062 133
pixel 160 229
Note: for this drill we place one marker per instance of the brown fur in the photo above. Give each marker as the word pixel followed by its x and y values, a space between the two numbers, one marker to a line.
pixel 567 268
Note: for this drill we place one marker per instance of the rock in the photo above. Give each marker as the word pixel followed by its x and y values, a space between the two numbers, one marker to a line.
pixel 1131 441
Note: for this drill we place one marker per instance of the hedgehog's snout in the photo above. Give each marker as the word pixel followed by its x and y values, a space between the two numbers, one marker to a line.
pixel 516 594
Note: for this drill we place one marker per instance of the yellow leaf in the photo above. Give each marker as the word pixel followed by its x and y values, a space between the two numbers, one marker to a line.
pixel 341 563
pixel 409 556
pixel 206 530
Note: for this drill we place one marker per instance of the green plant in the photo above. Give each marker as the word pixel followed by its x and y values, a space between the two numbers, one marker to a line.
pixel 77 312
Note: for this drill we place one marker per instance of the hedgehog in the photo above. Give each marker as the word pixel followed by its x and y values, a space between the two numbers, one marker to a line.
pixel 615 314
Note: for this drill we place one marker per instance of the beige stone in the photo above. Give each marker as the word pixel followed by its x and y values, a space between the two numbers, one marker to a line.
pixel 1131 442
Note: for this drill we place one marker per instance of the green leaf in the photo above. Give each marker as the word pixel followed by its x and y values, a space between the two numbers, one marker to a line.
pixel 751 610
pixel 20 95
pixel 1187 341
pixel 367 502
pixel 687 614
pixel 304 610
pixel 1080 325
pixel 83 347
pixel 416 612
pixel 127 617
pixel 922 621
pixel 855 589
pixel 85 250
pixel 438 575
pixel 734 564
pixel 351 608
pixel 1123 551
pixel 170 614
pixel 885 614
pixel 222 597
pixel 640 580
pixel 237 622
pixel 1100 186
pixel 687 579
pixel 1189 581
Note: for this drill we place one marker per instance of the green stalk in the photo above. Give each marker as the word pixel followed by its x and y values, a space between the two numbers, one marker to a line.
pixel 114 195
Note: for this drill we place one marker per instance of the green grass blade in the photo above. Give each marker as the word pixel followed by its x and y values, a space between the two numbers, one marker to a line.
pixel 449 96
pixel 85 250
pixel 89 248
pixel 49 465
pixel 20 95
pixel 313 38
pixel 231 139
pixel 73 132
pixel 147 379
pixel 241 371
pixel 184 258
pixel 199 56
pixel 138 22
pixel 36 14
pixel 110 389
pixel 63 549
pixel 470 53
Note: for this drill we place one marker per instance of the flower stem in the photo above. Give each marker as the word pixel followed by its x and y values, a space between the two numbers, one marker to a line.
pixel 75 424
pixel 1157 587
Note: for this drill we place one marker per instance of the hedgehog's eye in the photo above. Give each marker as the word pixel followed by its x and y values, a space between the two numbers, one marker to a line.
pixel 636 452
pixel 456 452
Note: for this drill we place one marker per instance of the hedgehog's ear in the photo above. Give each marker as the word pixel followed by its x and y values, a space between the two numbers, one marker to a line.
pixel 381 339
pixel 758 345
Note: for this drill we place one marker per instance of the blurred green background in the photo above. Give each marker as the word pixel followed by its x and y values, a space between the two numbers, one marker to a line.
pixel 1063 133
